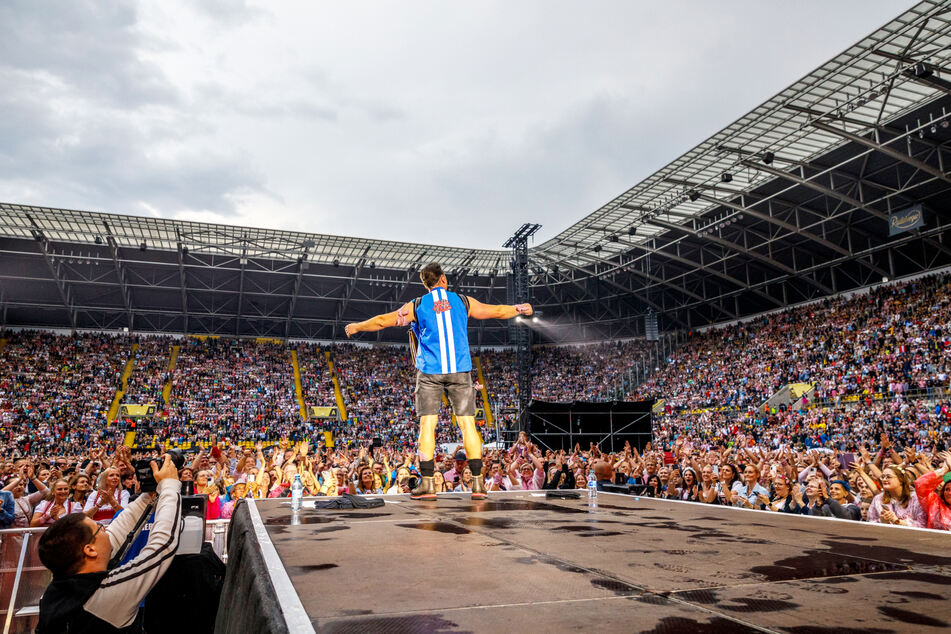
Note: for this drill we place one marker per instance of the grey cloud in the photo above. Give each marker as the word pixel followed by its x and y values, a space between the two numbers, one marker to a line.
pixel 230 12
pixel 550 174
pixel 385 113
pixel 110 159
pixel 258 101
pixel 90 46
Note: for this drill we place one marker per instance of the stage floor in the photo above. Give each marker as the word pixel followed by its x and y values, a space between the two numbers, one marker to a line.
pixel 522 562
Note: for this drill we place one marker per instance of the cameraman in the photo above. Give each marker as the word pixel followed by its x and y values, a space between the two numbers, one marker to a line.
pixel 83 596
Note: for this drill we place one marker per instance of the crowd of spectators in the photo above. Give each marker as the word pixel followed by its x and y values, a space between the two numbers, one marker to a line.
pixel 55 390
pixel 150 372
pixel 316 383
pixel 879 361
pixel 231 387
pixel 870 443
pixel 583 372
pixel 893 340
pixel 881 483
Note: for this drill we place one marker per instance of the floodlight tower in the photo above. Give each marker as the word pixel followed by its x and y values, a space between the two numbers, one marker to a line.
pixel 521 334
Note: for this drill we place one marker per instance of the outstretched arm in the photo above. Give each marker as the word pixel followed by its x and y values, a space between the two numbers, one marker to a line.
pixel 385 320
pixel 478 310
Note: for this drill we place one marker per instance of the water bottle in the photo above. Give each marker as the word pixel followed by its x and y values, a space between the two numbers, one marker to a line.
pixel 297 493
pixel 592 487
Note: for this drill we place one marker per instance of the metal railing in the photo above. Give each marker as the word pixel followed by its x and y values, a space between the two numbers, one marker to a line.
pixel 23 579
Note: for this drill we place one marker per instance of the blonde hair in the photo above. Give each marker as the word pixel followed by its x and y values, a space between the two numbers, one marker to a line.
pixel 907 488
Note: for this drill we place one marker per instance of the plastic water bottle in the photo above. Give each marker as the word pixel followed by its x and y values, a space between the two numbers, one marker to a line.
pixel 297 493
pixel 592 487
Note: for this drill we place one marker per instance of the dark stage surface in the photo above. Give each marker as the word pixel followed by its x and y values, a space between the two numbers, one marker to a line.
pixel 521 562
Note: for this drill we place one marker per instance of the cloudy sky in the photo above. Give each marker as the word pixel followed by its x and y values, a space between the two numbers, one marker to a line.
pixel 440 122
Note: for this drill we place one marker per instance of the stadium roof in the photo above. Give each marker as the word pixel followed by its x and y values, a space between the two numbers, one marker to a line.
pixel 788 203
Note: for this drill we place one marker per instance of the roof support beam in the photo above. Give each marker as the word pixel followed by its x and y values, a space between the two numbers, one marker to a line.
pixel 301 263
pixel 55 271
pixel 753 213
pixel 182 280
pixel 926 72
pixel 701 267
pixel 585 290
pixel 120 273
pixel 55 267
pixel 244 264
pixel 612 283
pixel 805 182
pixel 342 305
pixel 883 149
pixel 739 249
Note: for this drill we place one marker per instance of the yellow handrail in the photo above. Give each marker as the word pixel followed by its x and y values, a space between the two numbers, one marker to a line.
pixel 172 364
pixel 341 407
pixel 123 385
pixel 485 393
pixel 298 389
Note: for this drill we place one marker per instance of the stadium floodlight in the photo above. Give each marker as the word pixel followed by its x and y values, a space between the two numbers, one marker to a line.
pixel 98 240
pixel 336 262
pixel 143 246
pixel 693 195
pixel 768 158
pixel 726 177
pixel 631 230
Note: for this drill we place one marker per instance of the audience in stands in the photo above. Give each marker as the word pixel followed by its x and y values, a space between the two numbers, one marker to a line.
pixel 316 381
pixel 150 372
pixel 868 443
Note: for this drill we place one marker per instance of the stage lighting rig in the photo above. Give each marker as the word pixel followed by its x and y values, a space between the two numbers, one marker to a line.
pixel 519 291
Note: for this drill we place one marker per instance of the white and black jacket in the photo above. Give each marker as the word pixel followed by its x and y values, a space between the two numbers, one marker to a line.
pixel 109 601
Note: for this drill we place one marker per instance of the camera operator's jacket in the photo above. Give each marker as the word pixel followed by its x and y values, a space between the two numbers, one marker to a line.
pixel 109 601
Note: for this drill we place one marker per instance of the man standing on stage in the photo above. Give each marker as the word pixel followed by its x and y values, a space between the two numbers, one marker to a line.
pixel 443 365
